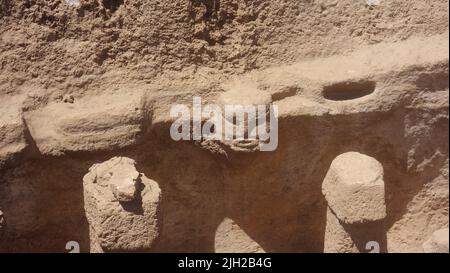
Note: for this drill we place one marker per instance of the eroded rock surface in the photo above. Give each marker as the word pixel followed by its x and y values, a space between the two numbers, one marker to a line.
pixel 354 188
pixel 230 238
pixel 243 94
pixel 438 242
pixel 355 194
pixel 122 207
pixel 102 123
pixel 12 131
pixel 84 81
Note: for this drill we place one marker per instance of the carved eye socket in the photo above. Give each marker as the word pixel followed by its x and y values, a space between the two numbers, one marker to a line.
pixel 348 90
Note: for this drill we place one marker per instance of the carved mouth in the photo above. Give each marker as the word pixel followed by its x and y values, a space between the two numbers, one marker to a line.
pixel 246 144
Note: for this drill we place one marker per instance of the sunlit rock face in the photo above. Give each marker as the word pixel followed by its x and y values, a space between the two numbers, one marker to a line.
pixel 122 207
pixel 437 243
pixel 355 193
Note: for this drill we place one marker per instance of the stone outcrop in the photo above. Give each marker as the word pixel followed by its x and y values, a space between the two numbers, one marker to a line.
pixel 122 207
pixel 103 123
pixel 12 131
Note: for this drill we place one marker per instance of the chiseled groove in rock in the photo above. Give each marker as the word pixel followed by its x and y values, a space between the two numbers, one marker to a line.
pixel 102 123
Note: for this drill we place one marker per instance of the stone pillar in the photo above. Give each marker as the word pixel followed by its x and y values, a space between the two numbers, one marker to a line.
pixel 354 190
pixel 122 207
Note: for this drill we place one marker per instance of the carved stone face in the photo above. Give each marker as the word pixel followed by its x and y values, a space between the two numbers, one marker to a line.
pixel 243 94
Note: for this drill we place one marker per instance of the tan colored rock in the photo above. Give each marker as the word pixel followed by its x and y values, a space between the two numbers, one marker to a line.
pixel 74 3
pixel 243 93
pixel 345 74
pixel 438 242
pixel 120 174
pixel 101 123
pixel 12 130
pixel 230 238
pixel 337 239
pixel 354 188
pixel 122 207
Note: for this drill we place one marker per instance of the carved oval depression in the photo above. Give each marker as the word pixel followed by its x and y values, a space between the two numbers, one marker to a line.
pixel 345 91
